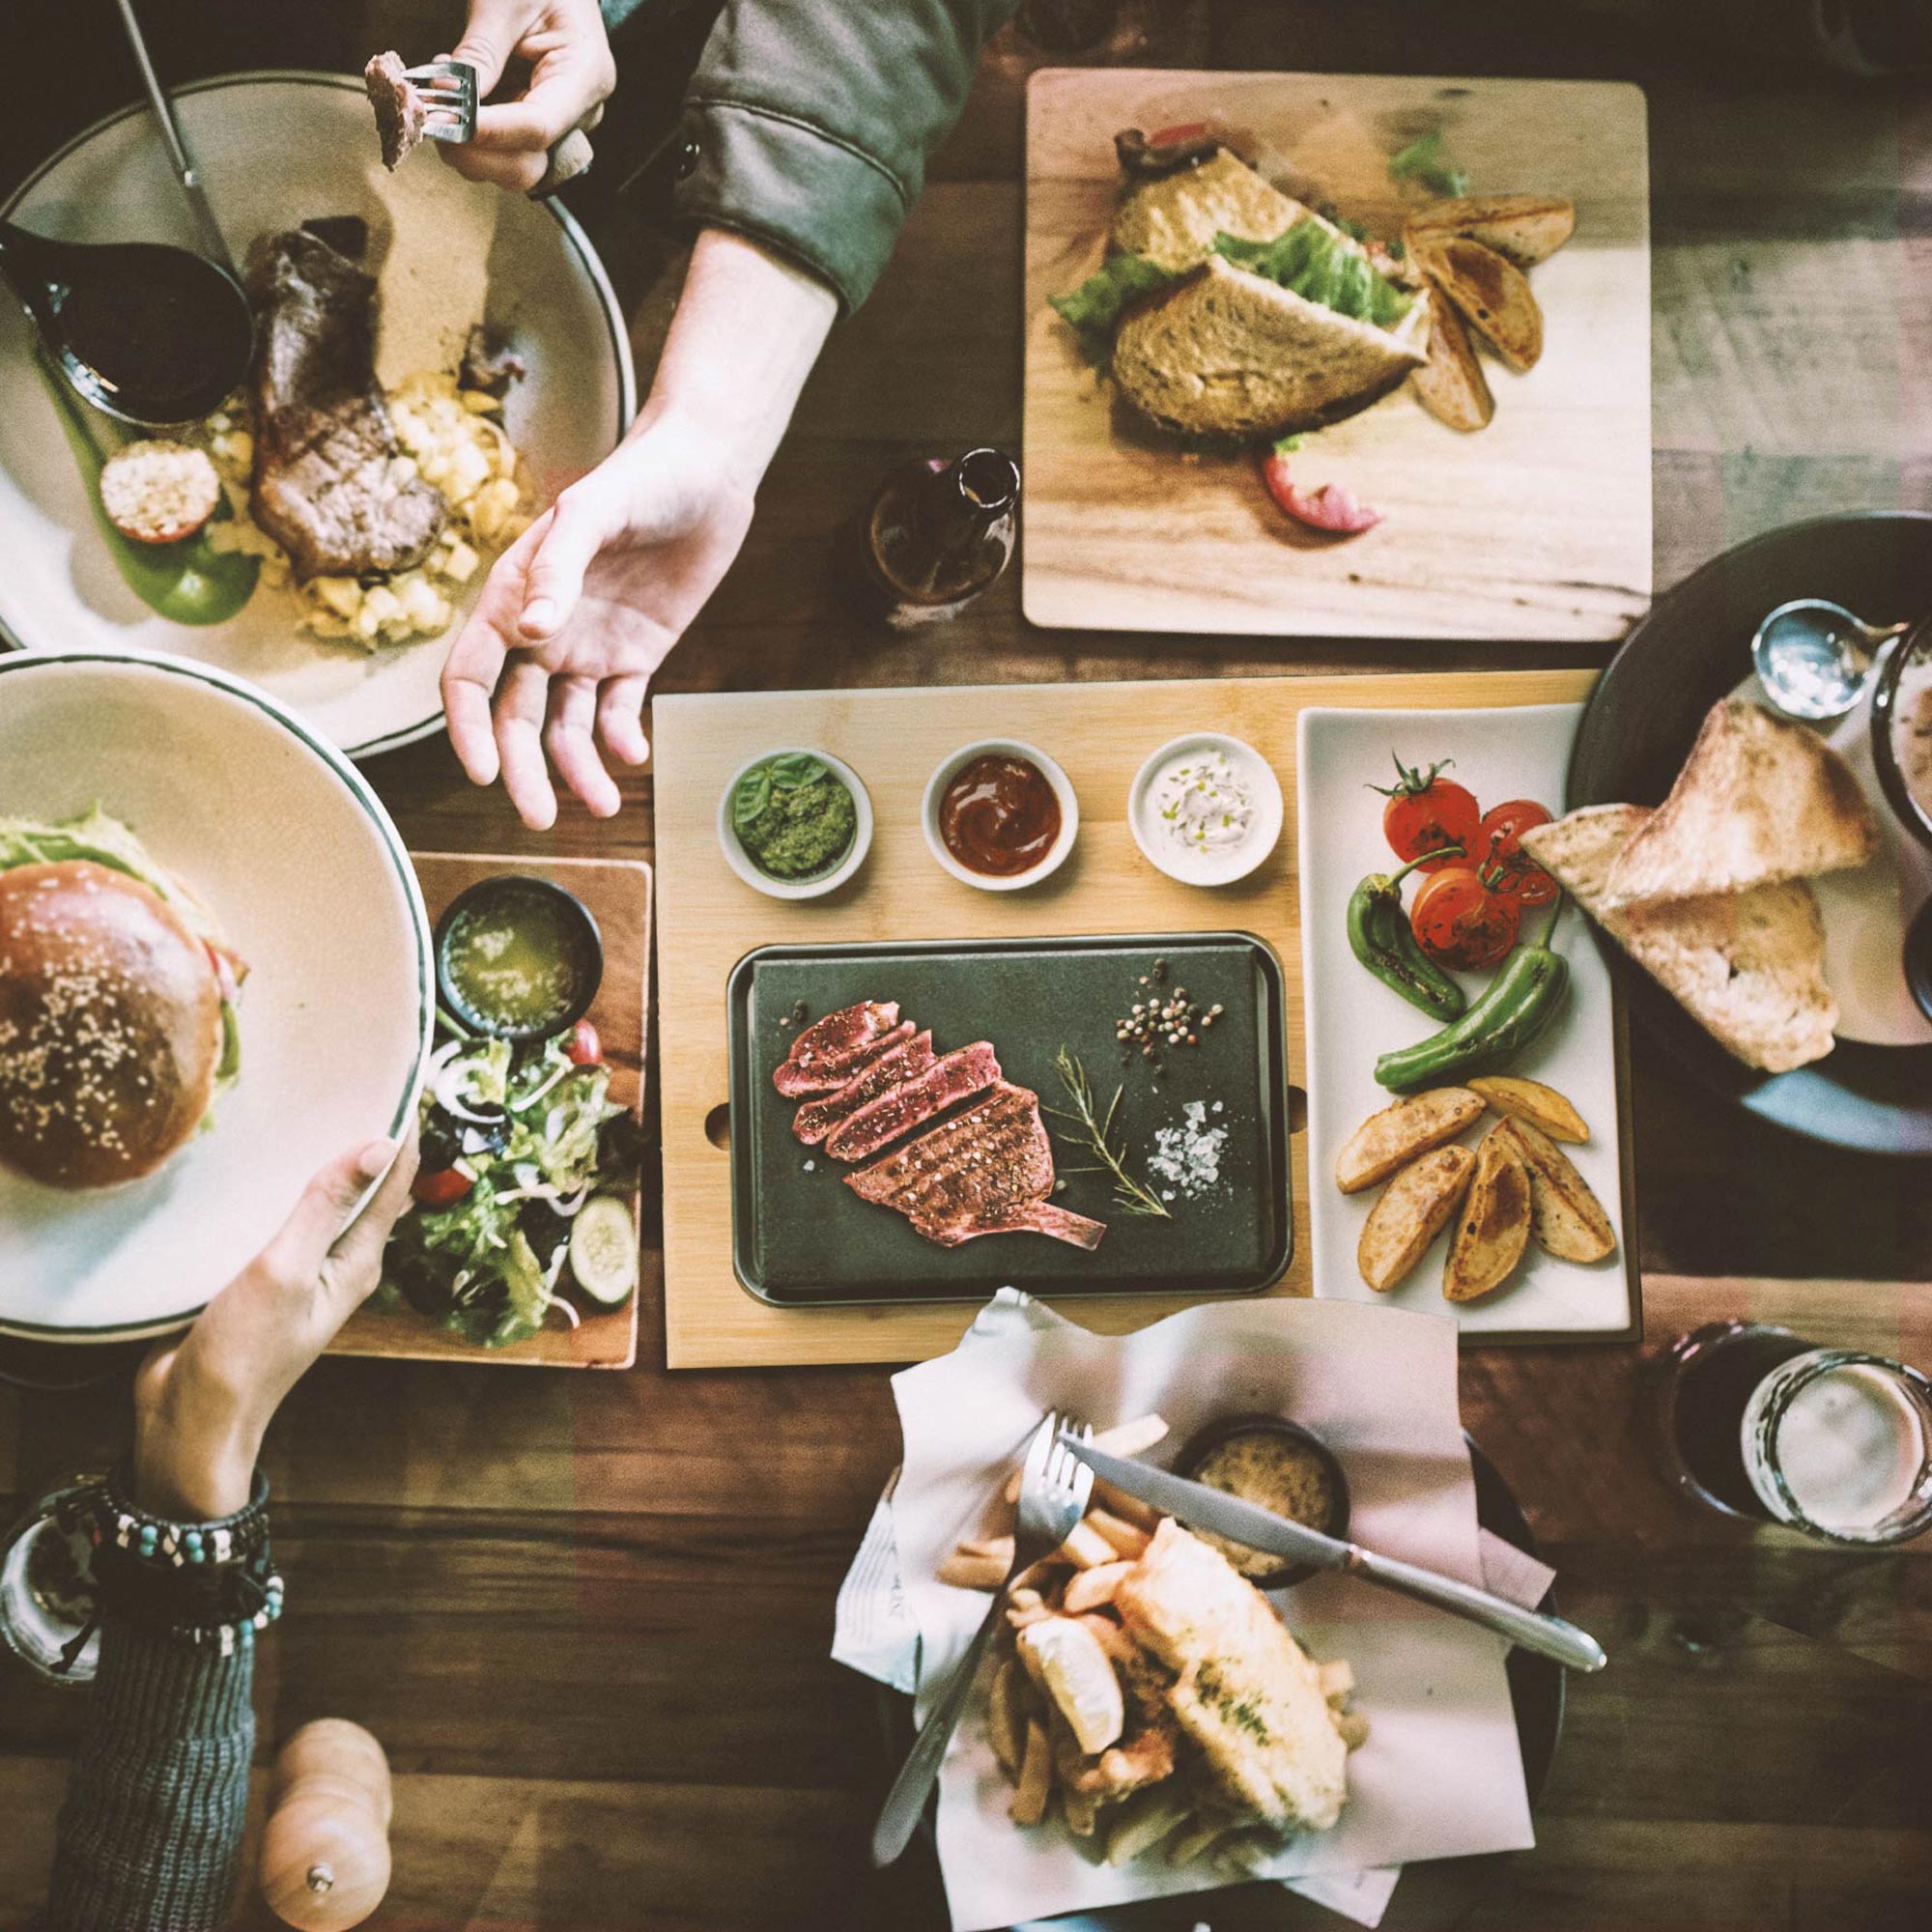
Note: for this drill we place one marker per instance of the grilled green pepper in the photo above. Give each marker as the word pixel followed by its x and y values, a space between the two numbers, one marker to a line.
pixel 1521 1001
pixel 1380 936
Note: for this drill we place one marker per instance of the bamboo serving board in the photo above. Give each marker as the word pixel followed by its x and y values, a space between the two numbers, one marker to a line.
pixel 710 918
pixel 1537 526
pixel 618 894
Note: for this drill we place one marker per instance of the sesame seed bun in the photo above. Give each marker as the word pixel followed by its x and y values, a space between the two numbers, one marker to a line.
pixel 110 1025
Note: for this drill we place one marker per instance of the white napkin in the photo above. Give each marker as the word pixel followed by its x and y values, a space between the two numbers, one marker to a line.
pixel 877 1629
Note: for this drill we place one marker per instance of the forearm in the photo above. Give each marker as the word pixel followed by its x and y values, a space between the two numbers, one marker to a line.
pixel 748 329
pixel 151 1833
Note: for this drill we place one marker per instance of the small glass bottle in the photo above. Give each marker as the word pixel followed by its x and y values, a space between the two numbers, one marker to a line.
pixel 937 534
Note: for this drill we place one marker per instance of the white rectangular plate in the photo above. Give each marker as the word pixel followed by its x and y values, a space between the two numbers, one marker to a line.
pixel 1351 1017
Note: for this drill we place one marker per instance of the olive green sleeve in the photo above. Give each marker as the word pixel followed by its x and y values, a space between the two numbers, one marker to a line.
pixel 809 123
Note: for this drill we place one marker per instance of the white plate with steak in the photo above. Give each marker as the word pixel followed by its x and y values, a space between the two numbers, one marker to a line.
pixel 900 1130
pixel 278 149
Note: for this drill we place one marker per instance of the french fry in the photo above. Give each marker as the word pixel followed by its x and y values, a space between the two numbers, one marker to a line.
pixel 1082 1809
pixel 1129 1438
pixel 1086 1548
pixel 1246 1852
pixel 1142 1823
pixel 1338 1679
pixel 1006 1717
pixel 1036 1781
pixel 1130 1508
pixel 1000 1547
pixel 965 1570
pixel 1354 1729
pixel 1088 1589
pixel 1193 1838
pixel 1020 1615
pixel 1128 1538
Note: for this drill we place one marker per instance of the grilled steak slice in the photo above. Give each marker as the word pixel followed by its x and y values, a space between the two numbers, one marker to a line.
pixel 986 1170
pixel 330 483
pixel 877 1124
pixel 817 1117
pixel 829 1051
pixel 401 110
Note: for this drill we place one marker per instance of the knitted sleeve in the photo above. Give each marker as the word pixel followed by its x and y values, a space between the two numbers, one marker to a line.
pixel 151 1833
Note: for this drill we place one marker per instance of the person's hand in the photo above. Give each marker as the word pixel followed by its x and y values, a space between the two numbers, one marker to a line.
pixel 203 1402
pixel 582 609
pixel 571 77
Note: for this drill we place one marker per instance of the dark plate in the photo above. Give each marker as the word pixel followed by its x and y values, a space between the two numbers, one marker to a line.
pixel 1536 1698
pixel 800 1236
pixel 1690 651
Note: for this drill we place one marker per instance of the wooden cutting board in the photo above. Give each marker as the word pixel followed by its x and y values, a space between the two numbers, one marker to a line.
pixel 618 894
pixel 1538 527
pixel 710 918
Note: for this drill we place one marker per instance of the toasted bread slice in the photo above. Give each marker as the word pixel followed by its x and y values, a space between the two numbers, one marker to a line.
pixel 1225 352
pixel 1173 221
pixel 1450 385
pixel 1525 229
pixel 1749 968
pixel 1760 800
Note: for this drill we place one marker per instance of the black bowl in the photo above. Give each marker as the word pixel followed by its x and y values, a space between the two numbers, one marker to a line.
pixel 577 919
pixel 1915 643
pixel 1206 1441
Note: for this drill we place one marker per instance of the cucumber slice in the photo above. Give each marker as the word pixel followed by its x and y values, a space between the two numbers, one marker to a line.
pixel 604 1250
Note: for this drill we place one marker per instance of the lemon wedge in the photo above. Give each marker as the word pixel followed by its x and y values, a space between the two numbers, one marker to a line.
pixel 1064 1658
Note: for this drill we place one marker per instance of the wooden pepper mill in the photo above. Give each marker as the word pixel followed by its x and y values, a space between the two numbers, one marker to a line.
pixel 325 1848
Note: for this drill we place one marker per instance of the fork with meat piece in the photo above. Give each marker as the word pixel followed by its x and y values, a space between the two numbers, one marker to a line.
pixel 1054 1489
pixel 437 102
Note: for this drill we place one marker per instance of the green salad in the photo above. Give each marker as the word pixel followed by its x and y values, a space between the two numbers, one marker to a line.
pixel 522 1190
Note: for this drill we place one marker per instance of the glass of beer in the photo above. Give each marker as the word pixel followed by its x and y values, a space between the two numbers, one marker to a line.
pixel 1760 1424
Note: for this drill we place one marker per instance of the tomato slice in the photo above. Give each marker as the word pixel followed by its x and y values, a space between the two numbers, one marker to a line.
pixel 442 1189
pixel 1426 812
pixel 1499 855
pixel 1459 922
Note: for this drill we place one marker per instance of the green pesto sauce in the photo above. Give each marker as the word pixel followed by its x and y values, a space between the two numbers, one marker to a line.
pixel 515 960
pixel 800 829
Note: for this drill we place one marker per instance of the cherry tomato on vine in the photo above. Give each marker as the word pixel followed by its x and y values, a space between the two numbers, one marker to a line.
pixel 1498 852
pixel 585 1049
pixel 441 1189
pixel 1458 921
pixel 1427 811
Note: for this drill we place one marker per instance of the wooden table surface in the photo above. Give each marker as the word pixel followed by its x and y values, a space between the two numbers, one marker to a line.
pixel 589 1614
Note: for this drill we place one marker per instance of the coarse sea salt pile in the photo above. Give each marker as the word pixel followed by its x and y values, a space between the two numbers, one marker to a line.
pixel 1189 1157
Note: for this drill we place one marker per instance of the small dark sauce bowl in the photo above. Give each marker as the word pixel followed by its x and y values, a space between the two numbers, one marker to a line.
pixel 1899 655
pixel 1216 1434
pixel 577 919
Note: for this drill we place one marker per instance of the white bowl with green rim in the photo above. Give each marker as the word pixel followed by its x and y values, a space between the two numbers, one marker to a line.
pixel 815 885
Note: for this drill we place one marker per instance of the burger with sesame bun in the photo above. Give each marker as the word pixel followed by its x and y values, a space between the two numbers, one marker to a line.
pixel 117 1029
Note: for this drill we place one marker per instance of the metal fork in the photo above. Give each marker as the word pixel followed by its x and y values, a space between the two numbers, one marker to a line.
pixel 1054 1488
pixel 448 87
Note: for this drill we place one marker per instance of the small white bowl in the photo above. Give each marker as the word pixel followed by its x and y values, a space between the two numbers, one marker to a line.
pixel 818 884
pixel 1207 868
pixel 1007 747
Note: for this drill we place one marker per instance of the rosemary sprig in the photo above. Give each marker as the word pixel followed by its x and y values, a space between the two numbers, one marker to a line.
pixel 1093 1132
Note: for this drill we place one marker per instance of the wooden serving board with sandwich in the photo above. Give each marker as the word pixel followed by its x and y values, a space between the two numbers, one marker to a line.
pixel 1336 355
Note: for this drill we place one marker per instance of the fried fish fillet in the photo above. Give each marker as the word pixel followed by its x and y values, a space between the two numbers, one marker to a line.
pixel 1245 1691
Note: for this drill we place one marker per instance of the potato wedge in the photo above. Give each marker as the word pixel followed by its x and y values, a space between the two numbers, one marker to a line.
pixel 1521 228
pixel 1088 1589
pixel 1128 1538
pixel 1492 1229
pixel 1414 1208
pixel 1450 385
pixel 1518 1099
pixel 1006 1716
pixel 1142 1823
pixel 1493 293
pixel 1036 1780
pixel 1395 1136
pixel 1566 1219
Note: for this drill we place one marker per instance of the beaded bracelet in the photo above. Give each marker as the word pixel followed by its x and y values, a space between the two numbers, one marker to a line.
pixel 211 1583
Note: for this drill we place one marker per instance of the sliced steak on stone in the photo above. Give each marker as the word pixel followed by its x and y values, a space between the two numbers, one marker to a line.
pixel 331 484
pixel 818 1117
pixel 829 1051
pixel 877 1124
pixel 986 1170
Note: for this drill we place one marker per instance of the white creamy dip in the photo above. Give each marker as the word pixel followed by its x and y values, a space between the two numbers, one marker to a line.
pixel 1201 803
pixel 1912 730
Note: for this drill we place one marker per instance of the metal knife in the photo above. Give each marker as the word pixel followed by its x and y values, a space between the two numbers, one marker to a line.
pixel 1261 1529
pixel 214 244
